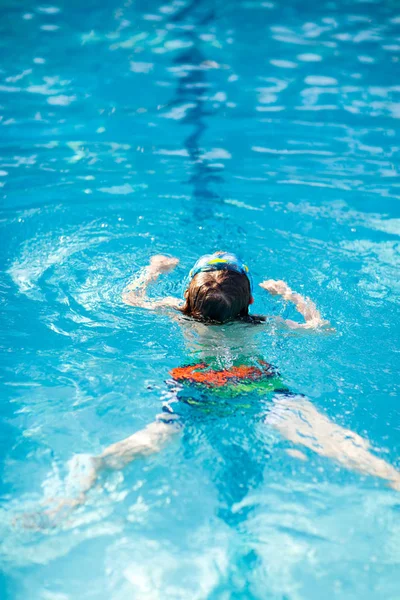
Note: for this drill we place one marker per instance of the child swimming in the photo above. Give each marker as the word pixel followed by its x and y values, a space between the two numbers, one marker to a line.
pixel 229 372
pixel 218 289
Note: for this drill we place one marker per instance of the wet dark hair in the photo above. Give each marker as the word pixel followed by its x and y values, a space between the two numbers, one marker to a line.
pixel 218 297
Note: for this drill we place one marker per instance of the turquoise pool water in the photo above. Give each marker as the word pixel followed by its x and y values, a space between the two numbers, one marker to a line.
pixel 135 128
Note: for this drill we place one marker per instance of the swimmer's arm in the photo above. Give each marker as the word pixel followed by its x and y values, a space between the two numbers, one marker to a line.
pixel 135 293
pixel 304 305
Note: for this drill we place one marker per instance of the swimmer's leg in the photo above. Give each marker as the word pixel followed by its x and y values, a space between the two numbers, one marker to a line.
pixel 84 470
pixel 147 441
pixel 297 419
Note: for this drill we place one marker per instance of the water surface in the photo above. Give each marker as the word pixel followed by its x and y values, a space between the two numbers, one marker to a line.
pixel 134 128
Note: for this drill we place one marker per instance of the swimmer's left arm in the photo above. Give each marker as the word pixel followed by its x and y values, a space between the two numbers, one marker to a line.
pixel 135 293
pixel 304 305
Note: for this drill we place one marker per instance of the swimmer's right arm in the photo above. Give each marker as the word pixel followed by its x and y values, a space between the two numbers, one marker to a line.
pixel 135 293
pixel 304 305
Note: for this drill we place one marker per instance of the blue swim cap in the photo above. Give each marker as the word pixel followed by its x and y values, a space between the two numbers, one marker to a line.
pixel 219 261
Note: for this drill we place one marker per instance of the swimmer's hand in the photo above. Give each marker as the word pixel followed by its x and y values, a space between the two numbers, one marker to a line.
pixel 162 264
pixel 135 292
pixel 304 305
pixel 275 287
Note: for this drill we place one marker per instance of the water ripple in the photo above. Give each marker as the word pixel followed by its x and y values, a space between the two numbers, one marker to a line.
pixel 130 129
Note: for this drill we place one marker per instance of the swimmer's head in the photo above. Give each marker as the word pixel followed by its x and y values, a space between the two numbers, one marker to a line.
pixel 218 289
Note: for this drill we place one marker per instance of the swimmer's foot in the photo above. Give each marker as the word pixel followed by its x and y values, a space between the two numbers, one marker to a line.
pixel 395 484
pixel 49 518
pixel 162 264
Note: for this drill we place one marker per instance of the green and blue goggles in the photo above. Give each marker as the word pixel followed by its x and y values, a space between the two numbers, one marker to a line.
pixel 219 261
